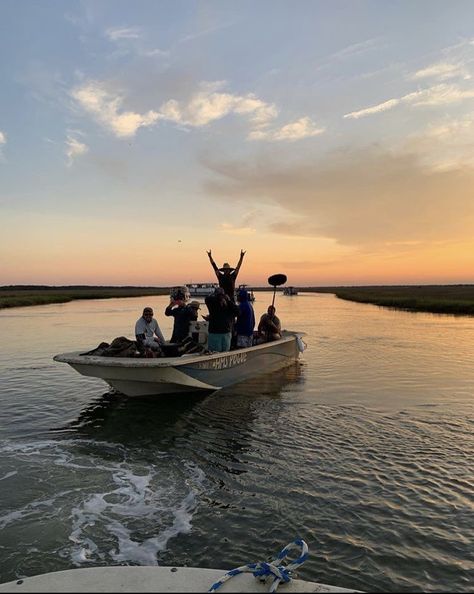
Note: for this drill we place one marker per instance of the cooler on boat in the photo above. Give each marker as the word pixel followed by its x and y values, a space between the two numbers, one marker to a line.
pixel 199 331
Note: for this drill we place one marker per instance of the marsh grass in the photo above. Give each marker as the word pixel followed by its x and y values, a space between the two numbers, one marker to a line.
pixel 23 295
pixel 452 299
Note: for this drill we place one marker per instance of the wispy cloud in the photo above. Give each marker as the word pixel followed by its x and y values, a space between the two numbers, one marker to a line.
pixel 206 31
pixel 302 128
pixel 118 33
pixel 74 148
pixel 233 230
pixel 447 144
pixel 105 107
pixel 209 104
pixel 356 49
pixel 441 94
pixel 442 71
pixel 3 141
pixel 133 40
pixel 380 107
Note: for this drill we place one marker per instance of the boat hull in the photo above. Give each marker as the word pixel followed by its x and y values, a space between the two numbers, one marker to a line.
pixel 188 373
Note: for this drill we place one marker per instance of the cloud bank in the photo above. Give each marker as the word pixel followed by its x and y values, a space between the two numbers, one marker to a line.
pixel 361 198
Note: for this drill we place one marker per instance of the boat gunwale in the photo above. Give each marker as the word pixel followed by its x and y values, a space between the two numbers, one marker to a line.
pixel 75 357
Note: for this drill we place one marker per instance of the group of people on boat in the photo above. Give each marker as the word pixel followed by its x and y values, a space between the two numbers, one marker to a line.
pixel 231 324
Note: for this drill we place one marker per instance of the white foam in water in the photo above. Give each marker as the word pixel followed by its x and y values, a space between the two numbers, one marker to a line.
pixel 135 508
pixel 125 511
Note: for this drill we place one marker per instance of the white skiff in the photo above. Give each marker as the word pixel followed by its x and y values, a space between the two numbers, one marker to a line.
pixel 203 372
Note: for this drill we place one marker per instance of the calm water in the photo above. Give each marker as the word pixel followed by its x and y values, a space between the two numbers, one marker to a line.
pixel 364 449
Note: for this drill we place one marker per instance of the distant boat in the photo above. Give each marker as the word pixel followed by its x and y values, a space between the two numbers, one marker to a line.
pixel 180 293
pixel 290 291
pixel 249 291
pixel 201 289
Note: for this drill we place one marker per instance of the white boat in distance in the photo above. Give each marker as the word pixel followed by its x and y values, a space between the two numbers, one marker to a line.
pixel 246 288
pixel 201 289
pixel 191 372
pixel 290 291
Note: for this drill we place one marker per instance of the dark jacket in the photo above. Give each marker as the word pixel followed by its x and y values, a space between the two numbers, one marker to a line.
pixel 182 315
pixel 227 282
pixel 222 312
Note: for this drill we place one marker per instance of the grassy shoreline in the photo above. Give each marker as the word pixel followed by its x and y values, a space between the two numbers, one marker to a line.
pixel 450 299
pixel 24 296
pixel 446 299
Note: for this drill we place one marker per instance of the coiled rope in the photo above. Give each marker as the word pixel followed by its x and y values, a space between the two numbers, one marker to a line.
pixel 263 571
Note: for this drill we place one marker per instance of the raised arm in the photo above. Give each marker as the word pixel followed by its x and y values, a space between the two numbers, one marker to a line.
pixel 239 264
pixel 213 264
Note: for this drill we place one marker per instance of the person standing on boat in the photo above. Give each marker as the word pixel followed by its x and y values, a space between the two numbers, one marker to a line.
pixel 147 332
pixel 222 313
pixel 227 275
pixel 183 315
pixel 269 327
pixel 245 320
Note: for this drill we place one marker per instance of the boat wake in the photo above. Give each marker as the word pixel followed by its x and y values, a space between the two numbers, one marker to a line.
pixel 125 511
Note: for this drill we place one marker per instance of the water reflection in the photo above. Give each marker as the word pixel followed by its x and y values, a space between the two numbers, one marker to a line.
pixel 114 416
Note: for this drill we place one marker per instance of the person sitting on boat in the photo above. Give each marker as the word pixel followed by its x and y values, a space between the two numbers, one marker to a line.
pixel 227 275
pixel 148 334
pixel 269 327
pixel 245 320
pixel 182 314
pixel 222 312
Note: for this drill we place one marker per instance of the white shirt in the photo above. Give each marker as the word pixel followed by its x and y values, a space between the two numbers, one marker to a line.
pixel 149 329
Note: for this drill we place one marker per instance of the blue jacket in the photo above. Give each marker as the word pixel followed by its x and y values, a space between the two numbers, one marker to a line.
pixel 246 317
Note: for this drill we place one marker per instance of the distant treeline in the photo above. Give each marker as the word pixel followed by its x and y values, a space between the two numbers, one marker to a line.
pixel 453 299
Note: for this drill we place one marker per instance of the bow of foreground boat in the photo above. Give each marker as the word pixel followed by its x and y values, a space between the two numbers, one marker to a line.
pixel 151 579
pixel 253 577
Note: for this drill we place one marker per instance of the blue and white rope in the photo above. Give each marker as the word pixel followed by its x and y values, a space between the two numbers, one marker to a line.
pixel 263 570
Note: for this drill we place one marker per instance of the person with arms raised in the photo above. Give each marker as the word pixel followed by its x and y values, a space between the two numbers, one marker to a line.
pixel 226 276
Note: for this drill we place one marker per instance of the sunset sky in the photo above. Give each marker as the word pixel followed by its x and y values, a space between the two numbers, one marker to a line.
pixel 333 141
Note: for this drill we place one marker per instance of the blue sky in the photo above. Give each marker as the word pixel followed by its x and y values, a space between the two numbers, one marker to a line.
pixel 331 140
